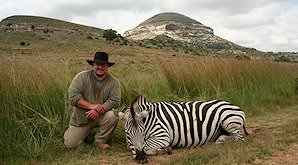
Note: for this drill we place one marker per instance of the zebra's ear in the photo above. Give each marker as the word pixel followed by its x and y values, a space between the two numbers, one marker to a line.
pixel 121 115
pixel 144 114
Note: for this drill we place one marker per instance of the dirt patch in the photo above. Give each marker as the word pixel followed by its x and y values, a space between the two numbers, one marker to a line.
pixel 126 158
pixel 289 157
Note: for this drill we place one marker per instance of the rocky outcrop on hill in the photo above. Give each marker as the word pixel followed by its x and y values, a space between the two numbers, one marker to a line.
pixel 178 27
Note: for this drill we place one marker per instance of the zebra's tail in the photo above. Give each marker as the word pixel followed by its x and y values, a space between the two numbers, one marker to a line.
pixel 246 133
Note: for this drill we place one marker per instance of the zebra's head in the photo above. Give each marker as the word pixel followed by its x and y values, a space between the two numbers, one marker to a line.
pixel 135 117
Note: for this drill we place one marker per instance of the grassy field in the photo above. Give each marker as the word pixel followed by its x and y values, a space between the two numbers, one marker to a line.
pixel 35 110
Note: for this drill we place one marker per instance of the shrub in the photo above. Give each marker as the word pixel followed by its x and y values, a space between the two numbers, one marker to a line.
pixel 45 30
pixel 110 35
pixel 89 37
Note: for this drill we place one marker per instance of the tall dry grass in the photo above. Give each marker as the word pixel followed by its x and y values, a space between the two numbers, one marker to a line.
pixel 245 83
pixel 35 109
pixel 33 105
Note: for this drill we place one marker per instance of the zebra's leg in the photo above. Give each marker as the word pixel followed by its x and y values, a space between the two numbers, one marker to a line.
pixel 162 147
pixel 158 145
pixel 237 136
pixel 233 129
pixel 159 151
pixel 221 139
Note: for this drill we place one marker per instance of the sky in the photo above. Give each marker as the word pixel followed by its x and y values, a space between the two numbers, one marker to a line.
pixel 267 25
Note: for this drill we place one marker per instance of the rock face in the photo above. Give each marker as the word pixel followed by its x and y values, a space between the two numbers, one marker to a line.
pixel 176 26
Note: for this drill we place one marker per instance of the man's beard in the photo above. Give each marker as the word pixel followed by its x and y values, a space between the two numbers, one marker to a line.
pixel 100 75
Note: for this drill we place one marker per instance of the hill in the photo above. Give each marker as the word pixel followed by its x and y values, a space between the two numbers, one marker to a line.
pixel 181 33
pixel 27 30
pixel 46 25
pixel 169 17
pixel 171 32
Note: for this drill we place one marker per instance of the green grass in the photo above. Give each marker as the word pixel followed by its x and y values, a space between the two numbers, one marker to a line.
pixel 169 17
pixel 35 110
pixel 245 83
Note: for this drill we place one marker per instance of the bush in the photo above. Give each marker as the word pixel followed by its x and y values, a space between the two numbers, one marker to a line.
pixel 45 30
pixel 110 35
pixel 89 37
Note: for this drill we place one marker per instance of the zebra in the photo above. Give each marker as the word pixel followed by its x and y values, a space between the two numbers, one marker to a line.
pixel 156 128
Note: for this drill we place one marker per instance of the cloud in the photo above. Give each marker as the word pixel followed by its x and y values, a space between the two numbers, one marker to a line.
pixel 268 25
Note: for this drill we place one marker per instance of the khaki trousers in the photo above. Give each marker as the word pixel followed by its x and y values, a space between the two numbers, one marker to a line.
pixel 75 136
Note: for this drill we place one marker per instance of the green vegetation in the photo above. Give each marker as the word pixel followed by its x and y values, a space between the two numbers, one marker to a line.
pixel 203 49
pixel 168 18
pixel 35 109
pixel 38 22
pixel 34 78
pixel 111 35
pixel 246 83
pixel 168 43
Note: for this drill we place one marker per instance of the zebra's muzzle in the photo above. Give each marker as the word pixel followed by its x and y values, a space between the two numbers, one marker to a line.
pixel 141 157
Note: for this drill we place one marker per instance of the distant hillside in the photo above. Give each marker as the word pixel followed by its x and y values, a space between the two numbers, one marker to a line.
pixel 46 22
pixel 31 32
pixel 46 25
pixel 180 33
pixel 167 31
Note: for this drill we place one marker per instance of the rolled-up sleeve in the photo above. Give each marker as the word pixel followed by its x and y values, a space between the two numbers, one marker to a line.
pixel 75 90
pixel 114 98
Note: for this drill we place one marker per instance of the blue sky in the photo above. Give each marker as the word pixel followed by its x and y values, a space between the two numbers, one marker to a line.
pixel 267 25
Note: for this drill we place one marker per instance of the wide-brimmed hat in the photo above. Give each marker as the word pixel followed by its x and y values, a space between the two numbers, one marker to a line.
pixel 101 58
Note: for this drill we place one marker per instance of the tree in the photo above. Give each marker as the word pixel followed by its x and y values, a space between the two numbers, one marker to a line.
pixel 110 35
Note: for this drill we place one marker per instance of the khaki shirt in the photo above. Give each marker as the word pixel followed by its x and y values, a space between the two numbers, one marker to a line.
pixel 84 85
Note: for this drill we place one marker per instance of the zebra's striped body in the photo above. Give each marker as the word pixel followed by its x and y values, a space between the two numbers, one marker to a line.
pixel 154 127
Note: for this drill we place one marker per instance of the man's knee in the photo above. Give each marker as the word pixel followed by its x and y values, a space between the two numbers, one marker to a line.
pixel 71 139
pixel 112 116
pixel 71 143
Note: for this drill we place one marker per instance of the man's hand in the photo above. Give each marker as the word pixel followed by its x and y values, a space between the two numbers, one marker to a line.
pixel 95 111
pixel 101 109
pixel 92 114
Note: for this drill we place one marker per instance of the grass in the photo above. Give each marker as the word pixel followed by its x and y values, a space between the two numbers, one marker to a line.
pixel 168 17
pixel 243 82
pixel 35 110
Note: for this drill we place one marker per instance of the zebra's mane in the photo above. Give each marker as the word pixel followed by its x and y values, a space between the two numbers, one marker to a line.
pixel 135 100
pixel 132 112
pixel 139 98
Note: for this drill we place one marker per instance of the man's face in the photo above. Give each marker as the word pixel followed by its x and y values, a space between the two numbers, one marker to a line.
pixel 100 69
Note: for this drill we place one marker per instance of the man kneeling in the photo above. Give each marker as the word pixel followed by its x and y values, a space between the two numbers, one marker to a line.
pixel 93 94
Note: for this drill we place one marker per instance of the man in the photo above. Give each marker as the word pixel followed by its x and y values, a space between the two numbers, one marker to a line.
pixel 93 94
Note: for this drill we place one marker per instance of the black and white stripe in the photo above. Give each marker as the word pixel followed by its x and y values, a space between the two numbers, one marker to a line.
pixel 178 125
